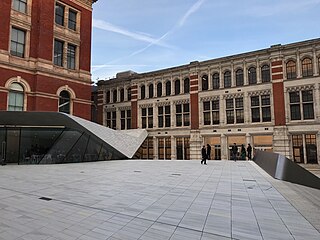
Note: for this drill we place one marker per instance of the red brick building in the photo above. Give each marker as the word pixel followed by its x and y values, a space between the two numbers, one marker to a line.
pixel 41 44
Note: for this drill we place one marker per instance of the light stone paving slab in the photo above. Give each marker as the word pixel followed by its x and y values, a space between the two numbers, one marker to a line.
pixel 138 199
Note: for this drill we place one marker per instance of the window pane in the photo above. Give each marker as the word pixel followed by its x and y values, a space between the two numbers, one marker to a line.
pixel 252 75
pixel 58 52
pixel 265 73
pixel 59 14
pixel 206 106
pixel 71 56
pixel 266 114
pixel 186 85
pixel 206 118
pixel 239 102
pixel 72 22
pixel 17 44
pixel 230 116
pixel 255 101
pixel 307 67
pixel 294 97
pixel 308 111
pixel 215 117
pixel 205 85
pixel 177 87
pixel 239 77
pixel 307 96
pixel 295 112
pixel 227 79
pixel 265 100
pixel 216 81
pixel 215 105
pixel 291 70
pixel 240 116
pixel 229 103
pixel 255 114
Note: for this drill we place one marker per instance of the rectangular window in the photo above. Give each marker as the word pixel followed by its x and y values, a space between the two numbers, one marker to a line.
pixel 111 120
pixel 234 108
pixel 206 113
pixel 215 112
pixel 123 120
pixel 260 108
pixel 20 5
pixel 71 56
pixel 182 115
pixel 167 116
pixel 58 53
pixel 160 117
pixel 147 117
pixel 211 112
pixel 17 42
pixel 59 14
pixel 230 111
pixel 301 105
pixel 128 119
pixel 72 20
pixel 239 110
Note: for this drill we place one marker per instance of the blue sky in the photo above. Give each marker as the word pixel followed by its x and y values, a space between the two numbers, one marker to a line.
pixel 147 35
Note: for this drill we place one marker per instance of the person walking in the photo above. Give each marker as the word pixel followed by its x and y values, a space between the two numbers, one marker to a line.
pixel 249 151
pixel 208 151
pixel 243 152
pixel 204 155
pixel 234 151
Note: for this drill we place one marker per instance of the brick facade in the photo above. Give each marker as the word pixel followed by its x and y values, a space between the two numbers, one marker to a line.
pixel 41 79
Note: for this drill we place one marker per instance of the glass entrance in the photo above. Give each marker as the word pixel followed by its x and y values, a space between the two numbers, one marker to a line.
pixel 13 146
pixel 311 148
pixel 2 146
pixel 297 144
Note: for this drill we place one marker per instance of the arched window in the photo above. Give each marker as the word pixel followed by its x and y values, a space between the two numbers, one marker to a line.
pixel 177 87
pixel 205 83
pixel 252 75
pixel 121 95
pixel 168 88
pixel 265 73
pixel 239 77
pixel 227 79
pixel 129 94
pixel 64 102
pixel 307 70
pixel 151 91
pixel 215 81
pixel 186 85
pixel 108 97
pixel 143 92
pixel 291 70
pixel 16 97
pixel 159 89
pixel 115 96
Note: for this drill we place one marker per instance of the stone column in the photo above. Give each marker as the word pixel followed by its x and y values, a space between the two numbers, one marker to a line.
pixel 317 101
pixel 155 115
pixel 299 70
pixel 155 148
pixel 173 148
pixel 281 140
pixel 258 69
pixel 315 63
pixel 224 147
pixel 233 79
pixel 245 73
pixel 246 105
pixel 221 77
pixel 222 112
pixel 172 115
pixel 164 88
pixel 304 148
pixel 195 145
pixel 147 90
pixel 318 147
pixel 209 80
pixel 118 118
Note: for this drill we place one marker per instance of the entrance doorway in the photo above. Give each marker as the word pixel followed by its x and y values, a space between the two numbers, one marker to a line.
pixel 13 146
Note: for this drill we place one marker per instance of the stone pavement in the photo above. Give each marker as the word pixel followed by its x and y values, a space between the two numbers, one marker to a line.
pixel 135 199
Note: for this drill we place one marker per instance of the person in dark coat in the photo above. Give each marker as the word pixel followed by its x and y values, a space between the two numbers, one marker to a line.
pixel 208 151
pixel 249 151
pixel 234 151
pixel 204 155
pixel 243 152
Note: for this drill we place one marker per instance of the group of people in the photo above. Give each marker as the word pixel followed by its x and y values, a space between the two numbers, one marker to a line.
pixel 206 152
pixel 243 152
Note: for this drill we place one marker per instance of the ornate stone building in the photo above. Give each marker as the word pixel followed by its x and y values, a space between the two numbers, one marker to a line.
pixel 41 44
pixel 269 98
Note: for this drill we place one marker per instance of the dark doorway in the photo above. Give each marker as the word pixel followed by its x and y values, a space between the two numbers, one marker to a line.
pixel 13 146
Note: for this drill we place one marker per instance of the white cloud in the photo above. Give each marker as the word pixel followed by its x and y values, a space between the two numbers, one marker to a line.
pixel 100 24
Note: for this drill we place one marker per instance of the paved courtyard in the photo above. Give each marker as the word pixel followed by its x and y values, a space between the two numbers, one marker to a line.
pixel 153 200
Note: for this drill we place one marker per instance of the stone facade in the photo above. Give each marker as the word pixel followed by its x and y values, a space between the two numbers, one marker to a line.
pixel 29 55
pixel 269 98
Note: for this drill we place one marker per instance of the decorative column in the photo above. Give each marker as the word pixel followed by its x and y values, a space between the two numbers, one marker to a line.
pixel 246 104
pixel 222 110
pixel 233 79
pixel 299 75
pixel 209 79
pixel 317 101
pixel 134 106
pixel 155 115
pixel 173 148
pixel 304 148
pixel 245 73
pixel 155 148
pixel 258 70
pixel 315 63
pixel 318 147
pixel 224 147
pixel 195 138
pixel 221 77
pixel 280 134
